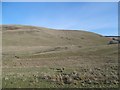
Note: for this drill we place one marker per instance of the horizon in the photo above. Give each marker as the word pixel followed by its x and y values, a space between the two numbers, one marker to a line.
pixel 94 17
pixel 60 29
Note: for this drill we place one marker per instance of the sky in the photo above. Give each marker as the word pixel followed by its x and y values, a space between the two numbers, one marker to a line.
pixel 98 17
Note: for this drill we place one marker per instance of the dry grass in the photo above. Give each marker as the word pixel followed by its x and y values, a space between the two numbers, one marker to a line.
pixel 39 57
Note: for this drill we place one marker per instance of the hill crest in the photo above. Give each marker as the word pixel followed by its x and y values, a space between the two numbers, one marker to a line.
pixel 39 36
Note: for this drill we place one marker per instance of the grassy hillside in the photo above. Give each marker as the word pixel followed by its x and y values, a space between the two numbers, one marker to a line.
pixel 37 57
pixel 37 36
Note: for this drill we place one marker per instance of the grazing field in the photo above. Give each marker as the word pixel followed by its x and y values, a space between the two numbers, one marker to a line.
pixel 36 57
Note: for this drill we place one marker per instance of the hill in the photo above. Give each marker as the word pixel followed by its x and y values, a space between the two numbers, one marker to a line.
pixel 38 57
pixel 36 36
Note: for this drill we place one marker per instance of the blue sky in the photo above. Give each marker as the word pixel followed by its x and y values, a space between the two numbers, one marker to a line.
pixel 98 17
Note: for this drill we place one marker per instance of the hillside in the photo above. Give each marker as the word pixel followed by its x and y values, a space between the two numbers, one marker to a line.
pixel 37 57
pixel 17 35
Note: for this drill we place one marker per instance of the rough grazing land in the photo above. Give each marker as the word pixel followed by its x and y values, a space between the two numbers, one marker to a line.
pixel 36 57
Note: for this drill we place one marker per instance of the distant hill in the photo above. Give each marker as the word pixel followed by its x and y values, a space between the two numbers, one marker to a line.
pixel 113 36
pixel 20 35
